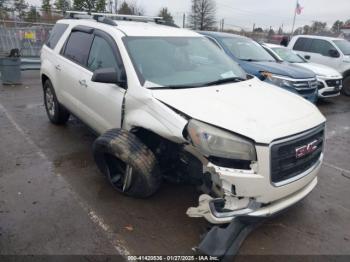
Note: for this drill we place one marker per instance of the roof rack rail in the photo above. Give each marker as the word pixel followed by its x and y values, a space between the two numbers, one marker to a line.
pixel 103 17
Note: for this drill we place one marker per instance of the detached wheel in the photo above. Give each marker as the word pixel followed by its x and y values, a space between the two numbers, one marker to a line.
pixel 346 86
pixel 128 164
pixel 56 113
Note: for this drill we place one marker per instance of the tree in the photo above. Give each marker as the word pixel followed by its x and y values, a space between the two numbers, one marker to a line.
pixel 20 7
pixel 90 5
pixel 130 8
pixel 46 7
pixel 298 31
pixel 258 30
pixel 32 15
pixel 337 26
pixel 203 14
pixel 306 29
pixel 318 27
pixel 3 9
pixel 62 5
pixel 280 31
pixel 125 9
pixel 168 18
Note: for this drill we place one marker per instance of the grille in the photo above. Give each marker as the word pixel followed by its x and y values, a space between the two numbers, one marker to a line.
pixel 335 83
pixel 284 162
pixel 305 87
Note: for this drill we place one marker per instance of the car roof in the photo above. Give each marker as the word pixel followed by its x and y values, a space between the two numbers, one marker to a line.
pixel 319 37
pixel 133 28
pixel 220 34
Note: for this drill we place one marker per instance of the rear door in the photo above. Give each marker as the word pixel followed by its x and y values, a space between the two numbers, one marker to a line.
pixel 101 103
pixel 72 64
pixel 317 50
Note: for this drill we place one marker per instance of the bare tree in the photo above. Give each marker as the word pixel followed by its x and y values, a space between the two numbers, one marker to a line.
pixel 203 14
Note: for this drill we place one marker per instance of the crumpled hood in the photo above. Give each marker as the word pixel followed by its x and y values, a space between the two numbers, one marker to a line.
pixel 320 70
pixel 278 68
pixel 251 108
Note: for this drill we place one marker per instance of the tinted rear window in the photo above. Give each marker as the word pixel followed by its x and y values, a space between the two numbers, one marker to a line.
pixel 55 35
pixel 78 46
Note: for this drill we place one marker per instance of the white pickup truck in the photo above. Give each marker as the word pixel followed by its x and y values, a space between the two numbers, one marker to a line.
pixel 168 104
pixel 329 51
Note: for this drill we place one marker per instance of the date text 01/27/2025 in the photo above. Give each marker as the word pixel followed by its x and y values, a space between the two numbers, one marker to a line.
pixel 172 258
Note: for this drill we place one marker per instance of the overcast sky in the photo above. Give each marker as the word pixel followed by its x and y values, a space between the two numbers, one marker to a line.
pixel 264 13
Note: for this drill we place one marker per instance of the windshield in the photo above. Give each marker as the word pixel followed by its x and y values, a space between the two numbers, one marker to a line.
pixel 343 45
pixel 246 49
pixel 180 61
pixel 288 55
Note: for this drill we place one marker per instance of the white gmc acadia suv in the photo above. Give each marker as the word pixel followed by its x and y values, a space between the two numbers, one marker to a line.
pixel 168 104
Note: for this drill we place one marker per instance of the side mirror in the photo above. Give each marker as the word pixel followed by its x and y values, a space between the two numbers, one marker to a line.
pixel 333 53
pixel 109 76
pixel 307 57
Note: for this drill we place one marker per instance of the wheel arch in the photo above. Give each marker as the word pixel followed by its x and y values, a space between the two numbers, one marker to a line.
pixel 346 73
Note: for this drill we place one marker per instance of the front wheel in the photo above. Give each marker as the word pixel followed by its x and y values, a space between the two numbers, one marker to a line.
pixel 346 86
pixel 129 165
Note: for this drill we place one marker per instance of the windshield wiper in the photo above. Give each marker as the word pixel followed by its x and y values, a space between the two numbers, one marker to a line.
pixel 224 80
pixel 250 60
pixel 173 87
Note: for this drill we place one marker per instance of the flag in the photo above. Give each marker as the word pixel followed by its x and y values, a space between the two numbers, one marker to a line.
pixel 298 8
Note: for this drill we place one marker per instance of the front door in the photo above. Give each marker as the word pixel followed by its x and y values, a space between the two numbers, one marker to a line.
pixel 101 103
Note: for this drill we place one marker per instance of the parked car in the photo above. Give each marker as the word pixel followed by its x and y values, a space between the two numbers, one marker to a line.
pixel 329 51
pixel 255 60
pixel 329 80
pixel 167 103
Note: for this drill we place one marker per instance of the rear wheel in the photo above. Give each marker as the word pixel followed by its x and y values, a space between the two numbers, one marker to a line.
pixel 129 165
pixel 56 113
pixel 346 86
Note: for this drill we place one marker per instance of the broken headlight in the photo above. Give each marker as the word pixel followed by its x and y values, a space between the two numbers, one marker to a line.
pixel 212 141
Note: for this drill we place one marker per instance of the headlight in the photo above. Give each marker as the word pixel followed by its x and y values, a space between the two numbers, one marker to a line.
pixel 277 80
pixel 212 141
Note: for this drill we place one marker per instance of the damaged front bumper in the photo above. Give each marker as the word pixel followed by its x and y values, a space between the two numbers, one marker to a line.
pixel 208 207
pixel 255 194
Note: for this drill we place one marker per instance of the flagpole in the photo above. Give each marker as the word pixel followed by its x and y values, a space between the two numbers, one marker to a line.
pixel 295 14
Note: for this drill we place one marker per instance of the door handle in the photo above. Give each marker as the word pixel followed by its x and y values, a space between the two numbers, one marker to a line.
pixel 83 83
pixel 58 67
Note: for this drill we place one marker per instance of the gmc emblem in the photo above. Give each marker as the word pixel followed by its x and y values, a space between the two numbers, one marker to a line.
pixel 306 149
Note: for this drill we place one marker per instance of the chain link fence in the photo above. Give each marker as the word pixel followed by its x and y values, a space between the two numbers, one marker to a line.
pixel 28 38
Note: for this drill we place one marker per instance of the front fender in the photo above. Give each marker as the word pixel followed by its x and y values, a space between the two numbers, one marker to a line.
pixel 149 113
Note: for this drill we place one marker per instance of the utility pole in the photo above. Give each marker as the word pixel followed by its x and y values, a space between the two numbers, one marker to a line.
pixel 184 20
pixel 116 6
pixel 295 14
pixel 253 27
pixel 222 25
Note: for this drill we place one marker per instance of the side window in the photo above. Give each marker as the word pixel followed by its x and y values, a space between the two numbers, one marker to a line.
pixel 78 46
pixel 101 55
pixel 302 44
pixel 55 35
pixel 321 47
